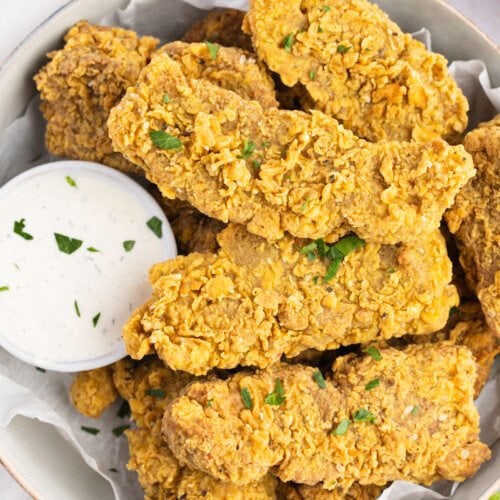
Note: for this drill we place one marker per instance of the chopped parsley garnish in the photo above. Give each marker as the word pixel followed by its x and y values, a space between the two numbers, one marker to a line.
pixel 164 140
pixel 209 402
pixel 349 243
pixel 124 410
pixel 213 48
pixel 90 430
pixel 327 8
pixel 157 393
pixel 71 181
pixel 257 164
pixel 341 429
pixel 43 370
pixel 265 144
pixel 247 150
pixel 414 410
pixel 373 352
pixel 92 249
pixel 309 250
pixel 312 75
pixel 372 384
pixel 304 205
pixel 19 229
pixel 4 288
pixel 391 270
pixel 332 270
pixel 315 280
pixel 128 245
pixel 77 309
pixel 155 225
pixel 342 49
pixel 247 398
pixel 118 431
pixel 166 98
pixel 277 397
pixel 318 378
pixel 95 319
pixel 66 244
pixel 363 415
pixel 113 470
pixel 320 29
pixel 288 41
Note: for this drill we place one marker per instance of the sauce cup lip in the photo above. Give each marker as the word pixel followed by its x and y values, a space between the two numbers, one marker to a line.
pixel 170 252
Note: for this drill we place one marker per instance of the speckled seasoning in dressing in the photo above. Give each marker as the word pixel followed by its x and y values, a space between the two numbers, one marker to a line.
pixel 66 307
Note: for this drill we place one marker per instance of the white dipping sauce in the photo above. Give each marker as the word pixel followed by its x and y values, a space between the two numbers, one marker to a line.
pixel 65 311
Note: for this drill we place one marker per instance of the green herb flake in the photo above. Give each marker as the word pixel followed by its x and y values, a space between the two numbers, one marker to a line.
pixel 363 415
pixel 277 397
pixel 118 431
pixel 288 41
pixel 166 98
pixel 95 319
pixel 124 410
pixel 157 393
pixel 372 384
pixel 318 378
pixel 265 144
pixel 210 402
pixel 92 249
pixel 320 29
pixel 342 49
pixel 247 398
pixel 128 245
pixel 256 164
pixel 213 48
pixel 332 269
pixel 414 410
pixel 113 470
pixel 391 270
pixel 71 181
pixel 315 280
pixel 90 430
pixel 341 428
pixel 19 226
pixel 326 8
pixel 66 244
pixel 164 140
pixel 312 75
pixel 38 369
pixel 4 288
pixel 349 243
pixel 373 352
pixel 77 309
pixel 304 205
pixel 309 250
pixel 247 150
pixel 155 225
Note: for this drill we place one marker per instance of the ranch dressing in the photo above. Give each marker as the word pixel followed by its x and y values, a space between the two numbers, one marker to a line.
pixel 63 308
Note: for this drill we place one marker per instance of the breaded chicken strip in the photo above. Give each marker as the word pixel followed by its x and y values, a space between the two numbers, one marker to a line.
pixel 291 491
pixel 276 170
pixel 416 423
pixel 254 301
pixel 358 66
pixel 93 391
pixel 149 387
pixel 80 85
pixel 222 26
pixel 475 220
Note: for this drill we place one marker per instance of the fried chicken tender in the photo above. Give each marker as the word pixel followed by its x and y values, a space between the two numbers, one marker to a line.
pixel 419 424
pixel 80 85
pixel 93 391
pixel 222 26
pixel 276 170
pixel 358 66
pixel 291 491
pixel 149 387
pixel 475 220
pixel 254 301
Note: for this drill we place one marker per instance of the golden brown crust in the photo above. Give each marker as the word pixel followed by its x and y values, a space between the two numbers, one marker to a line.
pixel 254 301
pixel 291 491
pixel 358 66
pixel 312 178
pixel 438 440
pixel 80 85
pixel 220 26
pixel 475 220
pixel 93 391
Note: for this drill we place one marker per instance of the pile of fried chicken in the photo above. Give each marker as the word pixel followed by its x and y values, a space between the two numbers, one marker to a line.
pixel 323 332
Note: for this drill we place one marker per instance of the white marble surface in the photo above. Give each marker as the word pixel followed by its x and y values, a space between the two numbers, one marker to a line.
pixel 20 17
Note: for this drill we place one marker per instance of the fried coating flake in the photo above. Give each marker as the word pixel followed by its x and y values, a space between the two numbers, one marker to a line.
pixel 222 26
pixel 291 491
pixel 419 424
pixel 80 85
pixel 276 170
pixel 93 391
pixel 254 301
pixel 475 220
pixel 358 66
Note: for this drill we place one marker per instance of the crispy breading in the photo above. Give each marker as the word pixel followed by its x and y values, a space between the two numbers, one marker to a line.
pixel 475 220
pixel 149 387
pixel 220 26
pixel 419 424
pixel 80 85
pixel 358 66
pixel 254 301
pixel 93 391
pixel 291 491
pixel 232 69
pixel 307 174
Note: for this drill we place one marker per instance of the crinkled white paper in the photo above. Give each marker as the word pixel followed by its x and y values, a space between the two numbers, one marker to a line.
pixel 26 391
